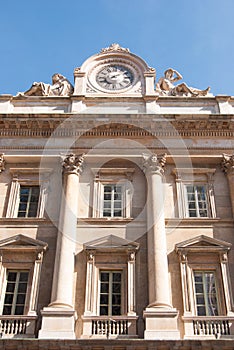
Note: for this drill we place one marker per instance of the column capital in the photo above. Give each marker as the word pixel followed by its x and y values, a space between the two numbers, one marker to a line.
pixel 154 163
pixel 73 164
pixel 2 162
pixel 227 163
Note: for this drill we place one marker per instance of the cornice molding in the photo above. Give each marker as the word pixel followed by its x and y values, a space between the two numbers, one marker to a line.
pixel 167 126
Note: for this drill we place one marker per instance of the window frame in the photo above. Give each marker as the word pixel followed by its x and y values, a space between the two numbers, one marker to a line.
pixel 196 200
pixel 204 253
pixel 28 177
pixel 17 268
pixel 113 177
pixel 217 291
pixel 22 253
pixel 111 272
pixel 194 177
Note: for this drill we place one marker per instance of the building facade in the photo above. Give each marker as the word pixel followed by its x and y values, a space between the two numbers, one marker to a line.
pixel 117 205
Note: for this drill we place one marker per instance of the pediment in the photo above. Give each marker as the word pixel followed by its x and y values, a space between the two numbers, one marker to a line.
pixel 20 241
pixel 111 242
pixel 203 243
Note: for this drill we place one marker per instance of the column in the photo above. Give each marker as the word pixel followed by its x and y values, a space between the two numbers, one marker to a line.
pixel 228 167
pixel 58 319
pixel 161 318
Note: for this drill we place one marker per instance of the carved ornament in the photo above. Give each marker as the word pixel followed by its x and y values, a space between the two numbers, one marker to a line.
pixel 227 163
pixel 2 162
pixel 154 163
pixel 73 164
pixel 114 47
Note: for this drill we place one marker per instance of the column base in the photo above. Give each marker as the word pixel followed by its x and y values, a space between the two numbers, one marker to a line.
pixel 161 323
pixel 57 323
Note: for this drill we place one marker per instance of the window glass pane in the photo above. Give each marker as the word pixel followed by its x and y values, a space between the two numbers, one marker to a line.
pixel 104 287
pixel 197 201
pixel 103 310
pixel 104 276
pixel 19 310
pixel 6 310
pixel 116 310
pixel 110 293
pixel 15 294
pixel 29 197
pixel 11 276
pixel 104 299
pixel 206 293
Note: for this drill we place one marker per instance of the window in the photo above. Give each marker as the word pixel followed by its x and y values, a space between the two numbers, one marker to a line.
pixel 112 201
pixel 112 195
pixel 110 293
pixel 15 295
pixel 205 293
pixel 28 201
pixel 195 192
pixel 197 201
pixel 28 193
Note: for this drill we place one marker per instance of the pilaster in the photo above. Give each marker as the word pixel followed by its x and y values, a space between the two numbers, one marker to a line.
pixel 227 165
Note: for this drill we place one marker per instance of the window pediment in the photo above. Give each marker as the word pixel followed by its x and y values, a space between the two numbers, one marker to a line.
pixel 21 242
pixel 203 243
pixel 111 242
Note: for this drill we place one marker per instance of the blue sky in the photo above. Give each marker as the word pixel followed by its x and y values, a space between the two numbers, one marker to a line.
pixel 39 38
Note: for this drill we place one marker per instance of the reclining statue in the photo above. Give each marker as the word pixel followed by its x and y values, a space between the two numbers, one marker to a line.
pixel 60 87
pixel 165 86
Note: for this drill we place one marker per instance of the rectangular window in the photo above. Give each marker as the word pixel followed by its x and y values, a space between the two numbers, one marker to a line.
pixel 15 295
pixel 205 293
pixel 197 201
pixel 28 201
pixel 110 293
pixel 112 201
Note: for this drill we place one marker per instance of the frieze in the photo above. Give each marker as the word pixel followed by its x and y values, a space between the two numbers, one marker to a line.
pixel 143 127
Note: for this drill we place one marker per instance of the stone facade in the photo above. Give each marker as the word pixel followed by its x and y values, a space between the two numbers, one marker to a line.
pixel 116 211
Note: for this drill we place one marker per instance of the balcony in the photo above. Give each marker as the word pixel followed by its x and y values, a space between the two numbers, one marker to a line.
pixel 109 327
pixel 209 327
pixel 17 326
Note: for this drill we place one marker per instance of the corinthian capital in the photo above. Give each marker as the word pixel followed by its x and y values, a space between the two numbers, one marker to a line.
pixel 73 164
pixel 2 162
pixel 227 163
pixel 154 163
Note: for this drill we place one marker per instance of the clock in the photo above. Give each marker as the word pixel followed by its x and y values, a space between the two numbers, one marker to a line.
pixel 114 77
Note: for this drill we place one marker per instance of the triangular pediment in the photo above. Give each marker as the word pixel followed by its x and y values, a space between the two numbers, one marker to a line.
pixel 110 242
pixel 22 242
pixel 203 243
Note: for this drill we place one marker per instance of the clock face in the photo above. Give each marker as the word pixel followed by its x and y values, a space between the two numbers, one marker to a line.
pixel 114 77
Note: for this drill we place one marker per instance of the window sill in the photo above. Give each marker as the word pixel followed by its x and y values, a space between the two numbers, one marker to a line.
pixel 106 220
pixel 191 221
pixel 24 221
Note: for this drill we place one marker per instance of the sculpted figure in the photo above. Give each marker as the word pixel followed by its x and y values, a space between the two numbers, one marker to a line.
pixel 165 85
pixel 60 87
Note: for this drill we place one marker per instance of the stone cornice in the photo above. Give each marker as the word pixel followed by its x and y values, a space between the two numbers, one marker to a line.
pixel 141 125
